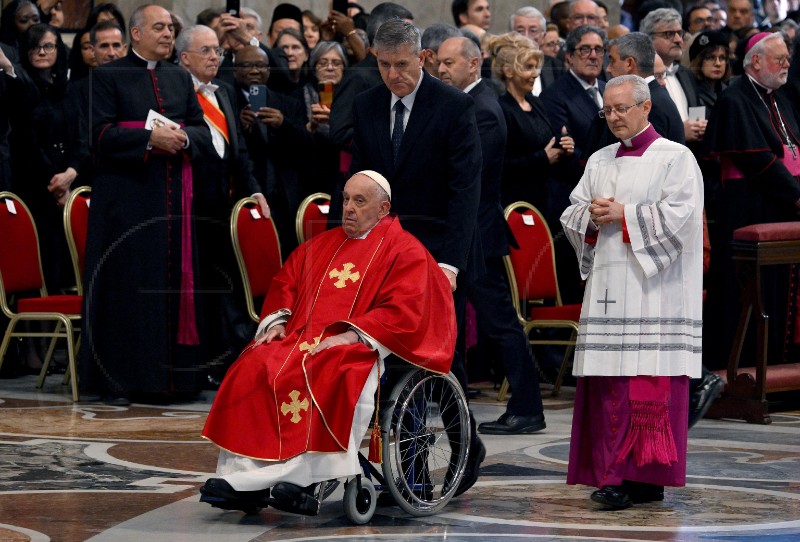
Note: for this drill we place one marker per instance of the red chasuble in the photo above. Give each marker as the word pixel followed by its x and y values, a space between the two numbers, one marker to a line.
pixel 277 401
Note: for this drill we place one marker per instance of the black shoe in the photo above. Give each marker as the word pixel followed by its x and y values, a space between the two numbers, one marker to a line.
pixel 90 398
pixel 612 496
pixel 641 492
pixel 701 399
pixel 119 400
pixel 477 453
pixel 219 494
pixel 293 498
pixel 508 424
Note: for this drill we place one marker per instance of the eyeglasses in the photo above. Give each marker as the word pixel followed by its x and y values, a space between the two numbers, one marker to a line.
pixel 528 31
pixel 207 50
pixel 781 60
pixel 659 76
pixel 47 48
pixel 335 63
pixel 618 109
pixel 716 58
pixel 703 20
pixel 584 18
pixel 251 65
pixel 586 50
pixel 669 34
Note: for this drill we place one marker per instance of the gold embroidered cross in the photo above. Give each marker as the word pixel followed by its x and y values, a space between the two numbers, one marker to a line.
pixel 306 347
pixel 294 407
pixel 344 275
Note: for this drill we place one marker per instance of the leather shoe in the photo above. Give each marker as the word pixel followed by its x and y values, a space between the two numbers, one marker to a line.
pixel 477 453
pixel 509 424
pixel 612 496
pixel 642 492
pixel 218 493
pixel 295 499
pixel 704 396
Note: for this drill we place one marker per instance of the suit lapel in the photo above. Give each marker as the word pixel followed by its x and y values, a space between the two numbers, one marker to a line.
pixel 227 109
pixel 685 79
pixel 381 120
pixel 584 101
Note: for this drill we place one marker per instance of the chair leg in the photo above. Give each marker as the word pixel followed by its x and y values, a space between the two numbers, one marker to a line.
pixel 563 369
pixel 49 356
pixel 6 340
pixel 501 395
pixel 68 372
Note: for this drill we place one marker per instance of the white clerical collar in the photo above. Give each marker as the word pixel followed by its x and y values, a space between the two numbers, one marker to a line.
pixel 584 84
pixel 753 80
pixel 364 235
pixel 649 78
pixel 472 85
pixel 629 142
pixel 408 99
pixel 200 86
pixel 151 64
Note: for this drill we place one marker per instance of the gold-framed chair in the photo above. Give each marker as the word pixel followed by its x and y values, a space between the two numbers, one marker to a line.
pixel 76 226
pixel 20 274
pixel 312 216
pixel 257 248
pixel 533 281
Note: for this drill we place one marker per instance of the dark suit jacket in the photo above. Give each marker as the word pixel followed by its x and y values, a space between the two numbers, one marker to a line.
pixel 551 71
pixel 568 104
pixel 223 181
pixel 436 180
pixel 6 105
pixel 494 231
pixel 686 79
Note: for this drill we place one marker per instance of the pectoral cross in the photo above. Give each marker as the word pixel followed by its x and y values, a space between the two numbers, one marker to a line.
pixel 306 347
pixel 605 302
pixel 294 407
pixel 344 275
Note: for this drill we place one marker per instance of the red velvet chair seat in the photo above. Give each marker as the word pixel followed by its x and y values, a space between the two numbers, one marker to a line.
pixel 776 231
pixel 65 304
pixel 563 312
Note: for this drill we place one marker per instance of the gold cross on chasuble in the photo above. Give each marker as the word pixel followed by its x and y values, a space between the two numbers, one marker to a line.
pixel 344 275
pixel 306 347
pixel 294 407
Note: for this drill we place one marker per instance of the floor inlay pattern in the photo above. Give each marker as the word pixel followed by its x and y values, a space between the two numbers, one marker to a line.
pixel 70 473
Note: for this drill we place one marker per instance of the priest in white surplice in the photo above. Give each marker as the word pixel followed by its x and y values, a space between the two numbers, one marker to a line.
pixel 636 225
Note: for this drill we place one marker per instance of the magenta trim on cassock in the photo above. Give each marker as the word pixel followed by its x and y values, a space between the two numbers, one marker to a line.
pixel 639 143
pixel 187 321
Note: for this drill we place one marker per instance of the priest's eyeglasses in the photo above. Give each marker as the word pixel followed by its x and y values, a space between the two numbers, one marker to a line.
pixel 669 34
pixel 620 110
pixel 207 50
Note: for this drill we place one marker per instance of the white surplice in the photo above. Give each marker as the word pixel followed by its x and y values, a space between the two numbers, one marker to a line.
pixel 642 308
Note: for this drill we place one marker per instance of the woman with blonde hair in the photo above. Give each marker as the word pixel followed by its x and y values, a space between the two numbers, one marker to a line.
pixel 532 153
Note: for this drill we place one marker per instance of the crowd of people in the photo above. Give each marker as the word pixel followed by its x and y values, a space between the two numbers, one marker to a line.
pixel 171 124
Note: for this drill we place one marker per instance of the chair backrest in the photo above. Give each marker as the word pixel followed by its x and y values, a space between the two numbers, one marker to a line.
pixel 76 226
pixel 20 263
pixel 532 267
pixel 312 216
pixel 258 250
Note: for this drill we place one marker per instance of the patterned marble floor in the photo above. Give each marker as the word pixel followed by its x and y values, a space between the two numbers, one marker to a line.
pixel 71 473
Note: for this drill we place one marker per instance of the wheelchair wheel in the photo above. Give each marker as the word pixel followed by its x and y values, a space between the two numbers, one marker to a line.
pixel 426 435
pixel 359 506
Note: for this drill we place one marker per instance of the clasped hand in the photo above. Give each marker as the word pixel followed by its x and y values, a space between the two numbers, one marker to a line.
pixel 278 332
pixel 170 139
pixel 606 211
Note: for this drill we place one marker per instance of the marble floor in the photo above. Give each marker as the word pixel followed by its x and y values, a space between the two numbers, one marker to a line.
pixel 71 473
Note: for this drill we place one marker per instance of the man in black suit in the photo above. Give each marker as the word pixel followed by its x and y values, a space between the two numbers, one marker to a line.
pixel 634 54
pixel 276 139
pixel 459 66
pixel 530 22
pixel 9 64
pixel 664 27
pixel 421 135
pixel 221 179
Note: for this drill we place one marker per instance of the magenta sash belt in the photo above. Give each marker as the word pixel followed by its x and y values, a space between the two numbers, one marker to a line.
pixel 187 322
pixel 730 171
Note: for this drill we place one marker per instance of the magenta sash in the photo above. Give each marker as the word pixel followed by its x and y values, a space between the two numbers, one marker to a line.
pixel 187 321
pixel 649 436
pixel 791 163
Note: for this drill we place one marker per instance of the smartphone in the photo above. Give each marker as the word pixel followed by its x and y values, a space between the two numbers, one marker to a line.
pixel 232 7
pixel 258 97
pixel 340 6
pixel 325 93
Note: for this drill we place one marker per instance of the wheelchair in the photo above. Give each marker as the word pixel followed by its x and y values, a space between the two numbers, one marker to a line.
pixel 425 431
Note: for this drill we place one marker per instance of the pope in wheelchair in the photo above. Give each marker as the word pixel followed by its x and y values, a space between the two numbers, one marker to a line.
pixel 291 412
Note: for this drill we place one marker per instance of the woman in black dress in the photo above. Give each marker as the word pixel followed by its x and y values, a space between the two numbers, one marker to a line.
pixel 532 155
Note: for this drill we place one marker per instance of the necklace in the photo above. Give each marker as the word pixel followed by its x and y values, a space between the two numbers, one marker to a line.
pixel 784 131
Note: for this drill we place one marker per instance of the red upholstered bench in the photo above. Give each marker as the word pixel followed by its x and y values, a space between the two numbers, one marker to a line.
pixel 745 396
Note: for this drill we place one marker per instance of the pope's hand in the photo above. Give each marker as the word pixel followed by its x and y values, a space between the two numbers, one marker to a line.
pixel 275 333
pixel 348 337
pixel 451 277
